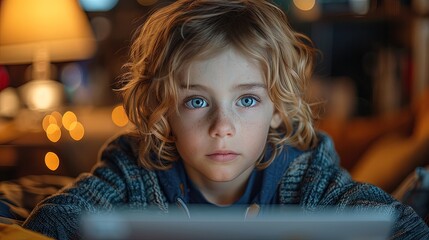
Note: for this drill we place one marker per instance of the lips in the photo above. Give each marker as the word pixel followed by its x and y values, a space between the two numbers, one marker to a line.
pixel 223 156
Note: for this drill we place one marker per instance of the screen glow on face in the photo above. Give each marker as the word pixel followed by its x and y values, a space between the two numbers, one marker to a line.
pixel 224 116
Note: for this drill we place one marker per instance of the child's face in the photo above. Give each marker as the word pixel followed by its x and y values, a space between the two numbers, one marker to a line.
pixel 224 118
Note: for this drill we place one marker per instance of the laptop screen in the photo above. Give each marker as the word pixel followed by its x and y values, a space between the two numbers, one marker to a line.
pixel 277 223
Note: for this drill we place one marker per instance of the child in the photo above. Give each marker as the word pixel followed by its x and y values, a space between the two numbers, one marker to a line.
pixel 215 89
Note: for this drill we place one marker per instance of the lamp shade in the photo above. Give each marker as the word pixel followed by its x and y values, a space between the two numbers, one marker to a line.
pixel 58 27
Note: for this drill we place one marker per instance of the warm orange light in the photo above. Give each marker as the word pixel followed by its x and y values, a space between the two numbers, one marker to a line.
pixel 61 27
pixel 58 117
pixel 68 119
pixel 304 5
pixel 52 161
pixel 53 132
pixel 119 117
pixel 42 94
pixel 48 120
pixel 9 101
pixel 77 131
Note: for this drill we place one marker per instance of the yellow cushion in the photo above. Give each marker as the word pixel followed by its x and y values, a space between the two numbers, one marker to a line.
pixel 16 232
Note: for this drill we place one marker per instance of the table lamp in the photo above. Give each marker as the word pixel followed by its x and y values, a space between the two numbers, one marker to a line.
pixel 38 32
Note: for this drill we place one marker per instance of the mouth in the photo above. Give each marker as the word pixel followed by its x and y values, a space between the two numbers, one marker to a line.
pixel 223 156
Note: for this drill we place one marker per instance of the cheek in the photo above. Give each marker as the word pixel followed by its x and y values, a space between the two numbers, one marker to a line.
pixel 258 120
pixel 183 123
pixel 255 132
pixel 189 144
pixel 187 133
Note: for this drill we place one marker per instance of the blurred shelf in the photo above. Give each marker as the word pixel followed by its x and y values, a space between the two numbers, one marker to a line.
pixel 26 148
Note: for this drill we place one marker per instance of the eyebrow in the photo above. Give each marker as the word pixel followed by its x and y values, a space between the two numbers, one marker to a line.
pixel 245 86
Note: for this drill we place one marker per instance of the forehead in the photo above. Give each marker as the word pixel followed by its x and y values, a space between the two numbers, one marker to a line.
pixel 224 67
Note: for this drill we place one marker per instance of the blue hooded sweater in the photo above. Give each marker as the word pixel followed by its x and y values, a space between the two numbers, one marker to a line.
pixel 261 187
pixel 312 180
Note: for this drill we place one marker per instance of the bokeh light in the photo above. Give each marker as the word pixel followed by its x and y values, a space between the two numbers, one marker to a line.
pixel 98 5
pixel 52 161
pixel 9 102
pixel 304 5
pixel 42 94
pixel 58 117
pixel 53 132
pixel 76 131
pixel 360 6
pixel 48 120
pixel 102 27
pixel 68 118
pixel 119 117
pixel 4 78
pixel 72 76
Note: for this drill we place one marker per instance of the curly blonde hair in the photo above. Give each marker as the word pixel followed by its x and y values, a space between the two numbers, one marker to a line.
pixel 177 34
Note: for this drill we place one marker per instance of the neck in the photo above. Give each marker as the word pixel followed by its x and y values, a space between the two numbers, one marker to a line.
pixel 222 193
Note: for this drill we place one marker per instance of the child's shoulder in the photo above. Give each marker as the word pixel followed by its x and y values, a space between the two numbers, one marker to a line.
pixel 121 149
pixel 126 142
pixel 325 149
pixel 323 154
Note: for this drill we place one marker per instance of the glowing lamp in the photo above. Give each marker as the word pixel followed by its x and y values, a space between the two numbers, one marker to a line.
pixel 41 31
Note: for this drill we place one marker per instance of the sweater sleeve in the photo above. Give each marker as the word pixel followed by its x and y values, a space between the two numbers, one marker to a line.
pixel 325 183
pixel 58 216
pixel 406 225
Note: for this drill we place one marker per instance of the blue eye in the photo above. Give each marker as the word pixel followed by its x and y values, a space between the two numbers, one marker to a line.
pixel 196 103
pixel 247 101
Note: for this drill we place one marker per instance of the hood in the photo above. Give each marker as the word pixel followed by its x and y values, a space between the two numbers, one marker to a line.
pixel 174 180
pixel 271 176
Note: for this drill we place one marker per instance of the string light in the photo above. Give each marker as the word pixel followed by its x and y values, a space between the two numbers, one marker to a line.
pixel 304 5
pixel 53 132
pixel 58 118
pixel 48 120
pixel 68 118
pixel 76 131
pixel 119 117
pixel 52 161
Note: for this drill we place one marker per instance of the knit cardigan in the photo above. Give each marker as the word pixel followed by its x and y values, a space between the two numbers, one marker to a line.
pixel 313 180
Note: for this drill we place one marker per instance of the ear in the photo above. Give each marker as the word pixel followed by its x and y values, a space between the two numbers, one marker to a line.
pixel 276 120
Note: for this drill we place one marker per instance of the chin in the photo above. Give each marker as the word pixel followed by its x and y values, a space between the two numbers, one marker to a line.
pixel 222 177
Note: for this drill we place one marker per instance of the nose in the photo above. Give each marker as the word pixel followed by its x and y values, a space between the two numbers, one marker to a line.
pixel 222 124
